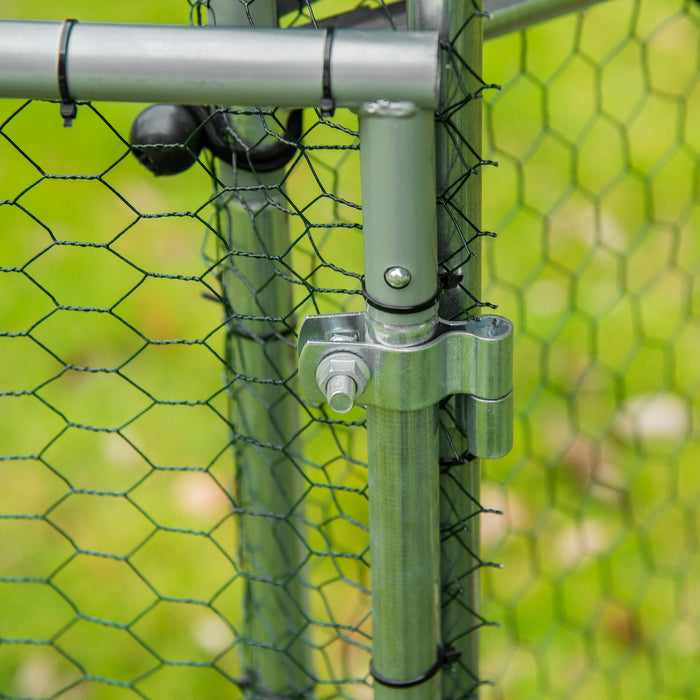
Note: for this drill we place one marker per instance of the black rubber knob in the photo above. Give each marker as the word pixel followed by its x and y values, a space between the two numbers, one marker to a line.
pixel 167 139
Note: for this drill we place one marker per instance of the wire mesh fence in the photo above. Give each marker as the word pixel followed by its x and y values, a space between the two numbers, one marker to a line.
pixel 596 132
pixel 175 515
pixel 177 520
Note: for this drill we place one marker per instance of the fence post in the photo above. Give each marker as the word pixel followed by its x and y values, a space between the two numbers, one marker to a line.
pixel 399 230
pixel 458 187
pixel 402 361
pixel 263 413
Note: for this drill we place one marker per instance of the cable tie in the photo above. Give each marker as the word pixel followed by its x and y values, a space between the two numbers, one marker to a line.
pixel 69 109
pixel 445 657
pixel 415 308
pixel 327 104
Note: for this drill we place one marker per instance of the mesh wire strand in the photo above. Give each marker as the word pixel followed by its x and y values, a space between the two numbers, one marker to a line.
pixel 596 133
pixel 169 533
pixel 139 364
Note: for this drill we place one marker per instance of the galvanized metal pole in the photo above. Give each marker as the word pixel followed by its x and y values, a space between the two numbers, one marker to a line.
pixel 458 139
pixel 512 15
pixel 264 413
pixel 216 65
pixel 399 222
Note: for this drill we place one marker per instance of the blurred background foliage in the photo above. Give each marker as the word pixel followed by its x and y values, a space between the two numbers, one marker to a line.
pixel 596 130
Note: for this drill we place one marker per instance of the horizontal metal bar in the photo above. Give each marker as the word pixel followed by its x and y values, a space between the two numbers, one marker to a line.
pixel 369 18
pixel 218 65
pixel 511 15
pixel 506 15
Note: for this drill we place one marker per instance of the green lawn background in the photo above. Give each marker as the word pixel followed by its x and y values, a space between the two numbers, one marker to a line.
pixel 596 131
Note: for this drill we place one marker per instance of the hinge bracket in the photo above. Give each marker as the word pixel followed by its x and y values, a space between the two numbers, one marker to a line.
pixel 473 358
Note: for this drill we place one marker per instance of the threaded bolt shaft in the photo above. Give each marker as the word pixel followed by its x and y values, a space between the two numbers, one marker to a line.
pixel 340 393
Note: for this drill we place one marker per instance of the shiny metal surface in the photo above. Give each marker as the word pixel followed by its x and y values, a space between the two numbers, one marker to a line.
pixel 340 377
pixel 449 361
pixel 511 15
pixel 473 358
pixel 217 65
pixel 397 277
pixel 399 219
pixel 504 15
pixel 266 480
pixel 404 547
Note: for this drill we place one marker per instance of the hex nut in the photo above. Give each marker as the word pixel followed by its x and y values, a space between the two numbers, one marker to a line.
pixel 342 376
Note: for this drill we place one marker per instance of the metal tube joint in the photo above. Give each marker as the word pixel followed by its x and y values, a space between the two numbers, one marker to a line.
pixel 398 355
pixel 472 358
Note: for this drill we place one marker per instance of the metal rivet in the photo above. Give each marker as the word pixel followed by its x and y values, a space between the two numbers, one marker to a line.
pixel 397 277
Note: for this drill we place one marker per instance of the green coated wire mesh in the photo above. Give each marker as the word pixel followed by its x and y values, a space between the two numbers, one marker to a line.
pixel 596 198
pixel 147 382
pixel 176 520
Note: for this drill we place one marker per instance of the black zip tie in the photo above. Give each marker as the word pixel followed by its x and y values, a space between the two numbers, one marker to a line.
pixel 327 104
pixel 69 109
pixel 445 282
pixel 389 308
pixel 445 657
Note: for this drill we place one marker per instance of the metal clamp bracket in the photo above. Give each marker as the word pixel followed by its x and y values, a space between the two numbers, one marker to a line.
pixel 472 358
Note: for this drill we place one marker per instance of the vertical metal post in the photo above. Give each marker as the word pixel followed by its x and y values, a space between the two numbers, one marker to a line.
pixel 458 141
pixel 399 224
pixel 264 416
pixel 267 489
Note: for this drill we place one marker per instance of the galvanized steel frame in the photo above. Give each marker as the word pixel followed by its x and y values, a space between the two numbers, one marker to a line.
pixel 393 79
pixel 217 65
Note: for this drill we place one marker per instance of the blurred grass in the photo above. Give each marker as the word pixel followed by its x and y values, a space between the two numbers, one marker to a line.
pixel 596 131
pixel 117 567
